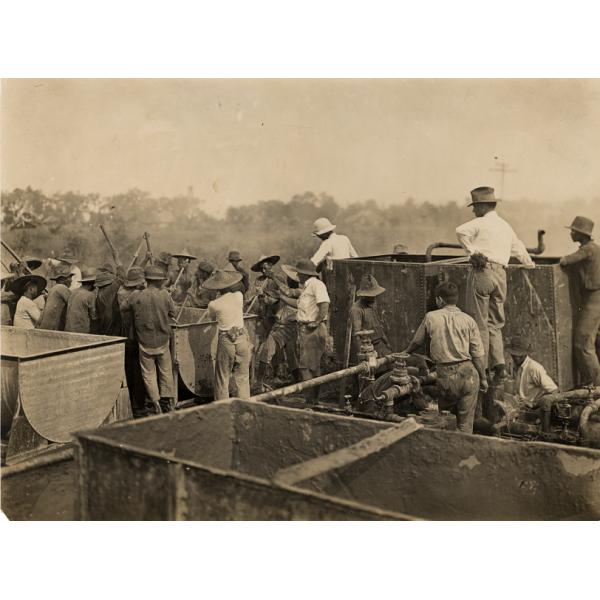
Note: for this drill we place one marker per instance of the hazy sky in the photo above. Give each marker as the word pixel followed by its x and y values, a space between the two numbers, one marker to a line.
pixel 240 141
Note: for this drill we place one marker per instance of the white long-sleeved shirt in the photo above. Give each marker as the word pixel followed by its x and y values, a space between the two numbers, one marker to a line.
pixel 493 237
pixel 336 247
pixel 533 382
pixel 76 279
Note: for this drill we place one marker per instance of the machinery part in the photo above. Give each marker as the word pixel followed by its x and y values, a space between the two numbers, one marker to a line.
pixel 540 245
pixel 49 457
pixel 585 434
pixel 311 383
pixel 347 346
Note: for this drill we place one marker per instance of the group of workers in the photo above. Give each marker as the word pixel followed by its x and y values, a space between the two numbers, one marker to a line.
pixel 292 303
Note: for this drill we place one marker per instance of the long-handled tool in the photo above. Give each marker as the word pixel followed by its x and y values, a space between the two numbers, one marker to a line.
pixel 113 250
pixel 150 257
pixel 136 255
pixel 17 257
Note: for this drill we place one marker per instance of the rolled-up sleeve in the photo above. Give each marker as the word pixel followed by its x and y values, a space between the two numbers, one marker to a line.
pixel 519 251
pixel 321 253
pixel 320 290
pixel 476 349
pixel 465 234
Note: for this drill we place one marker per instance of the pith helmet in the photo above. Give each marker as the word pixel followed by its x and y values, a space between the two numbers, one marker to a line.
pixel 519 346
pixel 221 280
pixel 257 266
pixel 185 254
pixel 323 225
pixel 88 275
pixel 134 277
pixel 153 273
pixel 306 267
pixel 369 288
pixel 483 195
pixel 582 225
pixel 234 255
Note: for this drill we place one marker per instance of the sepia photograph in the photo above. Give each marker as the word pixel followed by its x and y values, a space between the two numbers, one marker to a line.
pixel 300 299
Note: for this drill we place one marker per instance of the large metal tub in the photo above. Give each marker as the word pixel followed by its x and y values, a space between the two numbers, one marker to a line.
pixel 55 383
pixel 541 303
pixel 218 462
pixel 195 349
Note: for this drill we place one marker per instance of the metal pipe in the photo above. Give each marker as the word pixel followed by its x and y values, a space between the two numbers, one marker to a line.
pixel 432 247
pixel 584 433
pixel 50 457
pixel 540 245
pixel 581 394
pixel 335 376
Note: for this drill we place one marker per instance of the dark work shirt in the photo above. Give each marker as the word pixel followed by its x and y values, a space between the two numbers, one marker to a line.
pixel 55 311
pixel 587 258
pixel 107 308
pixel 81 311
pixel 153 312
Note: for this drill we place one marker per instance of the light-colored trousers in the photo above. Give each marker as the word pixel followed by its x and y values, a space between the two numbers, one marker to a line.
pixel 233 358
pixel 585 338
pixel 157 373
pixel 486 294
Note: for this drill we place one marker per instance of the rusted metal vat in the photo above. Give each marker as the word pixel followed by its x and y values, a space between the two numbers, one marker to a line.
pixel 54 383
pixel 540 305
pixel 220 462
pixel 194 351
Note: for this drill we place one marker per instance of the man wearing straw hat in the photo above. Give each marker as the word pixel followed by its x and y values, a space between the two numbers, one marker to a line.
pixel 586 337
pixel 234 351
pixel 28 288
pixel 490 242
pixel 313 309
pixel 153 313
pixel 333 245
pixel 81 307
pixel 54 315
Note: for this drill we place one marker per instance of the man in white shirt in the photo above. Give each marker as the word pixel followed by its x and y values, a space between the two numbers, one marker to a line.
pixel 333 246
pixel 234 351
pixel 531 379
pixel 313 309
pixel 490 242
pixel 27 313
pixel 75 271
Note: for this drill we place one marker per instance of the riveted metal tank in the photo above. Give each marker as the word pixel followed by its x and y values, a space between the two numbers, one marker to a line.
pixel 541 303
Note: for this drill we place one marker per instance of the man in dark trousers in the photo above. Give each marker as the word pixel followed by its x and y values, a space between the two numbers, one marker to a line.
pixel 458 353
pixel 153 313
pixel 585 338
pixel 54 315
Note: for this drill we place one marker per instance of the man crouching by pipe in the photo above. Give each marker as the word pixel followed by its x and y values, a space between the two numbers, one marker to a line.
pixel 458 353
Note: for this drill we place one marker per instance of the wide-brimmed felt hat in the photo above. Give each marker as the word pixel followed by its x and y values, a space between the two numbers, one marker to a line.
pixel 519 346
pixel 185 254
pixel 107 267
pixel 582 225
pixel 323 225
pixel 221 280
pixel 290 272
pixel 483 195
pixel 104 278
pixel 369 288
pixel 61 272
pixel 20 283
pixel 306 267
pixel 206 267
pixel 154 273
pixel 88 275
pixel 234 255
pixel 32 262
pixel 134 277
pixel 257 266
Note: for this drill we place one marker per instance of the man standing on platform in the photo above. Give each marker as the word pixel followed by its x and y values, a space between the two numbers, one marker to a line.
pixel 333 245
pixel 490 242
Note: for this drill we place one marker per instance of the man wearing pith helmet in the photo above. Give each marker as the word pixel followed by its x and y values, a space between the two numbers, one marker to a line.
pixel 490 242
pixel 333 245
pixel 586 260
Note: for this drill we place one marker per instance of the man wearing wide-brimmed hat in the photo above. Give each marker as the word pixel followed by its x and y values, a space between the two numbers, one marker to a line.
pixel 184 278
pixel 133 283
pixel 263 296
pixel 68 258
pixel 107 305
pixel 54 314
pixel 586 336
pixel 234 351
pixel 81 307
pixel 27 288
pixel 365 317
pixel 313 310
pixel 490 242
pixel 531 379
pixel 153 312
pixel 234 259
pixel 333 245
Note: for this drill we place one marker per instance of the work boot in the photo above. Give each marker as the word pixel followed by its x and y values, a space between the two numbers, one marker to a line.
pixel 166 405
pixel 153 408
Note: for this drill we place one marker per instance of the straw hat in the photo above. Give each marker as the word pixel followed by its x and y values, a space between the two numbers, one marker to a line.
pixel 369 288
pixel 185 254
pixel 221 280
pixel 290 272
pixel 88 275
pixel 483 195
pixel 257 266
pixel 323 225
pixel 582 225
pixel 306 267
pixel 153 273
pixel 134 277
pixel 18 285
